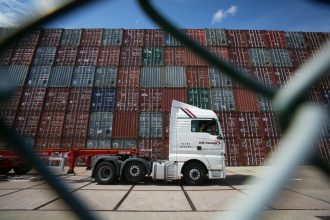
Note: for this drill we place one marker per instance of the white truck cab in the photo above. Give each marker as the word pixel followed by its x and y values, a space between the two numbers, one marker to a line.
pixel 196 152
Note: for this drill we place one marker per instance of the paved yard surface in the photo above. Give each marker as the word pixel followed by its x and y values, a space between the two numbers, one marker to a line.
pixel 306 196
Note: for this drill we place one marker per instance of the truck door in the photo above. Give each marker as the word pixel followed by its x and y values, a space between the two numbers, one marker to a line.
pixel 207 133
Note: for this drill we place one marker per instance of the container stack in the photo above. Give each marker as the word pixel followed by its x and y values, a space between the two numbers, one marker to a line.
pixel 113 88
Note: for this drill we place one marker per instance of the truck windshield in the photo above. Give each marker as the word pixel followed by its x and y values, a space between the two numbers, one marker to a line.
pixel 205 126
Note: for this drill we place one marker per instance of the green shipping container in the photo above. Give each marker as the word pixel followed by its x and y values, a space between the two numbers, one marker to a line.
pixel 199 97
pixel 153 56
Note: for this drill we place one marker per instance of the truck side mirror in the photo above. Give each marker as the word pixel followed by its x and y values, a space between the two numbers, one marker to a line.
pixel 219 137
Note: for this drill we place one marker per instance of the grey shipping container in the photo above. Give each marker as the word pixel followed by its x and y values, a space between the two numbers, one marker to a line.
pixel 112 37
pixel 264 103
pixel 105 77
pixel 17 74
pixel 124 143
pixel 151 125
pixel 151 77
pixel 60 76
pixel 174 76
pixel 103 99
pixel 280 57
pixel 100 124
pixel 199 97
pixel 44 56
pixel 259 57
pixel 98 143
pixel 39 76
pixel 222 100
pixel 71 37
pixel 153 56
pixel 295 40
pixel 216 37
pixel 219 79
pixel 171 41
pixel 83 76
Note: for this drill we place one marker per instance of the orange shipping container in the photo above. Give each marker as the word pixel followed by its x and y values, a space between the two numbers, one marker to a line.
pixel 125 125
pixel 245 100
pixel 177 94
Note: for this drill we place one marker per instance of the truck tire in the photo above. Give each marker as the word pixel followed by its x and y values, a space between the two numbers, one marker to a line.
pixel 105 173
pixel 4 171
pixel 134 172
pixel 22 169
pixel 194 174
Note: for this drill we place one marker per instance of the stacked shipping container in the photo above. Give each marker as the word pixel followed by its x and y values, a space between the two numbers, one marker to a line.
pixel 112 88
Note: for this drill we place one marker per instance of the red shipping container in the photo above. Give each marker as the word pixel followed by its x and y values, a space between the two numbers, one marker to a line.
pixel 175 56
pixel 252 151
pixel 166 124
pixel 314 40
pixel 197 35
pixel 66 56
pixel 221 52
pixel 13 102
pixel 7 117
pixel 87 56
pixel 324 83
pixel 197 77
pixel 229 124
pixel 256 38
pixel 133 37
pixel 265 75
pixel 275 39
pixel 245 100
pixel 48 143
pixel 239 57
pixel 151 100
pixel 130 56
pixel 270 125
pixel 32 99
pixel 79 99
pixel 324 150
pixel 26 123
pixel 271 148
pixel 232 152
pixel 153 37
pixel 178 94
pixel 314 96
pixel 75 124
pixel 250 125
pixel 193 59
pixel 91 37
pixel 70 143
pixel 237 38
pixel 125 125
pixel 299 56
pixel 56 99
pixel 127 99
pixel 22 56
pixel 128 76
pixel 282 75
pixel 51 124
pixel 5 55
pixel 29 40
pixel 109 56
pixel 152 148
pixel 50 37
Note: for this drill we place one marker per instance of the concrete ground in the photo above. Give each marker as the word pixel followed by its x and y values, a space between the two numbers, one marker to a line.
pixel 306 196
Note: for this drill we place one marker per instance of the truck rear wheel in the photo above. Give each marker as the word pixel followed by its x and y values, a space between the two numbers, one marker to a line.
pixel 134 171
pixel 105 173
pixel 194 174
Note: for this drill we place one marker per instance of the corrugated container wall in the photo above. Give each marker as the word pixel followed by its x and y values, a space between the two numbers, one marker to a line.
pixel 7 118
pixel 218 79
pixel 237 38
pixel 275 39
pixel 133 37
pixel 282 75
pixel 265 75
pixel 66 56
pixel 87 56
pixel 260 57
pixel 199 97
pixel 17 74
pixel 91 37
pixel 60 76
pixel 29 39
pixel 153 37
pixel 178 94
pixel 13 101
pixel 109 56
pixel 125 125
pixel 153 148
pixel 5 55
pixel 98 143
pixel 100 124
pixel 103 100
pixel 222 99
pixel 171 41
pixel 150 125
pixel 174 76
pixel 128 76
pixel 26 122
pixel 56 99
pixel 295 40
pixel 44 56
pixel 75 125
pixel 39 76
pixel 198 35
pixel 124 143
pixel 216 37
pixel 127 99
pixel 51 124
pixel 220 52
pixel 194 60
pixel 151 77
pixel 175 56
pixel 197 77
pixel 151 99
pixel 130 56
pixel 239 57
pixel 314 40
pixel 229 124
pixel 79 99
pixel 32 99
pixel 280 57
pixel 245 100
pixel 71 37
pixel 50 37
pixel 153 56
pixel 112 37
pixel 22 56
pixel 250 125
pixel 105 77
pixel 256 38
pixel 83 76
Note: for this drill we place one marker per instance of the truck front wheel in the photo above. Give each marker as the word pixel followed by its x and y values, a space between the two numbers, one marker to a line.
pixel 134 171
pixel 105 173
pixel 194 174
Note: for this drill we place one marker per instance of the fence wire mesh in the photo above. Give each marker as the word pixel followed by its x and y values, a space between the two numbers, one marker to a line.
pixel 301 132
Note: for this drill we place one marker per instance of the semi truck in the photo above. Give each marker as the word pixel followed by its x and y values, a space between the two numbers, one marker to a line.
pixel 196 152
